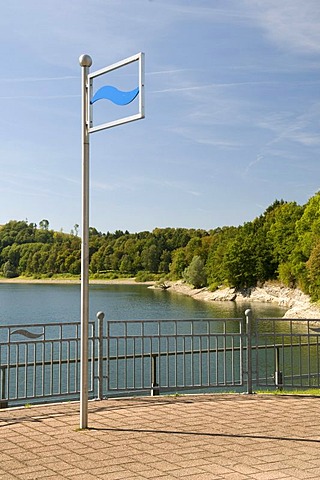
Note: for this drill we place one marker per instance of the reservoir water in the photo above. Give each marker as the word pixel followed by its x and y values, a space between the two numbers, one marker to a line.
pixel 52 304
pixel 56 303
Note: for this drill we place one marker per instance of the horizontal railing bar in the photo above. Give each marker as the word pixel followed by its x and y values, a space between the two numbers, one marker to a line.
pixel 176 335
pixel 211 350
pixel 180 387
pixel 38 325
pixel 174 320
pixel 118 357
pixel 161 354
pixel 172 354
pixel 286 345
pixel 46 363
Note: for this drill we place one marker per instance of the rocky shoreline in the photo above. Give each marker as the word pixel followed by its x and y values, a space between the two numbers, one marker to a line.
pixel 298 303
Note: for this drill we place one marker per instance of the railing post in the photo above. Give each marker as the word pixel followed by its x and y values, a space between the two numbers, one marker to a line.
pixel 154 385
pixel 100 317
pixel 278 379
pixel 248 314
pixel 3 401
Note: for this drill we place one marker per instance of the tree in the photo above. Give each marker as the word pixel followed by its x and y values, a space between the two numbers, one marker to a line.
pixel 126 265
pixel 9 270
pixel 248 259
pixel 150 258
pixel 282 234
pixel 313 268
pixel 215 264
pixel 44 224
pixel 165 261
pixel 308 227
pixel 195 274
pixel 179 263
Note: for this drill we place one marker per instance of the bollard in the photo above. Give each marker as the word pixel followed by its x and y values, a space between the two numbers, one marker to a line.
pixel 154 385
pixel 100 317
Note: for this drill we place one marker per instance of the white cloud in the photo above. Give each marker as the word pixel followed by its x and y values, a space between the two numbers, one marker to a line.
pixel 300 128
pixel 38 79
pixel 291 24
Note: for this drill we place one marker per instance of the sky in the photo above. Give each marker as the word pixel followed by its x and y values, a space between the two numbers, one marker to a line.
pixel 232 98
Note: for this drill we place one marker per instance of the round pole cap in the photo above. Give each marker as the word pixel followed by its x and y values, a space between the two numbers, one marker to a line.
pixel 85 60
pixel 100 315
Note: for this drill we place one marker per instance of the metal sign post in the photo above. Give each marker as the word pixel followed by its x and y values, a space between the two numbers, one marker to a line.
pixel 118 97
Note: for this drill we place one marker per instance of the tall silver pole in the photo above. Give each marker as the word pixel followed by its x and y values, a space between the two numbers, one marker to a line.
pixel 85 62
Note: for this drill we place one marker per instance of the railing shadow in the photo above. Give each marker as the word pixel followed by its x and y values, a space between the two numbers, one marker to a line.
pixel 205 434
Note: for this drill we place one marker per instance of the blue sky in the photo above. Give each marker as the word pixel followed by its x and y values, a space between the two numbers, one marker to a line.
pixel 232 111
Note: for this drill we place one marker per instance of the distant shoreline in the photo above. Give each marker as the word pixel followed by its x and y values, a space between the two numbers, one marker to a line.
pixel 67 281
pixel 298 304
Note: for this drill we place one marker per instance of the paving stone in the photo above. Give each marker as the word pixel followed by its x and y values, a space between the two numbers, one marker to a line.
pixel 196 437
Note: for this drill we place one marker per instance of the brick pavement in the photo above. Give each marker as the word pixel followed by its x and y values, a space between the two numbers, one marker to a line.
pixel 202 437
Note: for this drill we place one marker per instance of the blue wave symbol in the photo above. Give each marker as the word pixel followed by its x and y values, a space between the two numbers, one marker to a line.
pixel 114 95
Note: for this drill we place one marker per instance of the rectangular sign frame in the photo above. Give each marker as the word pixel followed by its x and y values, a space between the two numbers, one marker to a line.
pixel 139 57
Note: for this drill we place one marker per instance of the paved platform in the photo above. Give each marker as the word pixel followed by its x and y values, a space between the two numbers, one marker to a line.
pixel 203 437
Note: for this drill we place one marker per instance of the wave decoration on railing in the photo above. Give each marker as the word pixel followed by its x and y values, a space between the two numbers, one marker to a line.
pixel 26 333
pixel 116 96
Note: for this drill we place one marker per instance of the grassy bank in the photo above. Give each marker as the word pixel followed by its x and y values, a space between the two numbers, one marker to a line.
pixel 314 392
pixel 73 279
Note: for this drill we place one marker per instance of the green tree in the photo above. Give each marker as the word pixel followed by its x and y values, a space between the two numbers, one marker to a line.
pixel 44 224
pixel 248 259
pixel 195 274
pixel 313 269
pixel 178 264
pixel 126 265
pixel 308 226
pixel 9 270
pixel 165 260
pixel 150 258
pixel 308 236
pixel 216 268
pixel 282 234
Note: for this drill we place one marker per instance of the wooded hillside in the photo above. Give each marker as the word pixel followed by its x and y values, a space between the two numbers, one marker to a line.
pixel 282 244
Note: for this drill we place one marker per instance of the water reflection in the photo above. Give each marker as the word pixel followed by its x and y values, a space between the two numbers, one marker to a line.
pixel 37 303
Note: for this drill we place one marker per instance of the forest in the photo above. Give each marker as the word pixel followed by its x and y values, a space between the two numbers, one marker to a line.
pixel 282 244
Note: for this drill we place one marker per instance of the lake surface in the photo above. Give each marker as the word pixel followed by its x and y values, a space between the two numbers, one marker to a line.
pixel 42 303
pixel 32 304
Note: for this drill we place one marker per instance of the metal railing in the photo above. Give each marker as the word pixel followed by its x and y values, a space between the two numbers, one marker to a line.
pixel 286 352
pixel 174 355
pixel 42 362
